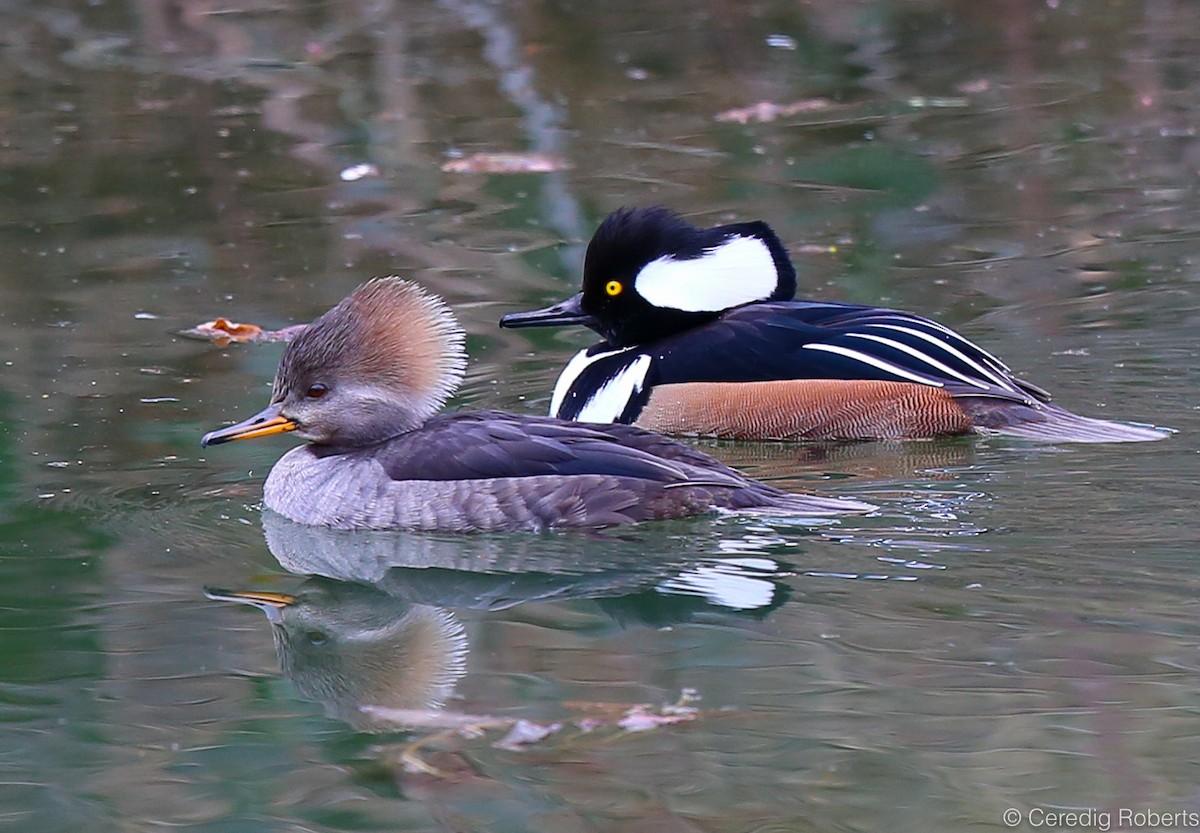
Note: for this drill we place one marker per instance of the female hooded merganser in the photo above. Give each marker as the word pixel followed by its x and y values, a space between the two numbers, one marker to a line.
pixel 702 338
pixel 363 383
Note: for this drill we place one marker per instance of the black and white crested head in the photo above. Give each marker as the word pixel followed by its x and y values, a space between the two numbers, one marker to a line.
pixel 378 364
pixel 648 272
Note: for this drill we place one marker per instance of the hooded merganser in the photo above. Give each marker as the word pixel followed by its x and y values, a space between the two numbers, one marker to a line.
pixel 701 337
pixel 363 383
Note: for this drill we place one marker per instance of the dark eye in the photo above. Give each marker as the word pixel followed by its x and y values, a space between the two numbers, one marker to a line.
pixel 316 390
pixel 316 637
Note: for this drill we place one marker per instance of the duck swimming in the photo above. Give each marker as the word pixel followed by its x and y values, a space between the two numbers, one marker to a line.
pixel 363 384
pixel 702 337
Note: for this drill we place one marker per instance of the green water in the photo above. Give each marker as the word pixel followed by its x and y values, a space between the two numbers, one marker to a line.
pixel 1015 628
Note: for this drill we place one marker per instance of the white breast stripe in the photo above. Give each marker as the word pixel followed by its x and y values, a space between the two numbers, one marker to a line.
pixel 917 354
pixel 580 362
pixel 738 271
pixel 886 367
pixel 609 401
pixel 954 351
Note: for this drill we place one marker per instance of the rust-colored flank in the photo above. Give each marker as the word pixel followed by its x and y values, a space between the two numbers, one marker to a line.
pixel 807 409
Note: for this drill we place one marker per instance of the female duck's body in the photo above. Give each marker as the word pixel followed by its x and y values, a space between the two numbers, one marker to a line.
pixel 489 470
pixel 363 383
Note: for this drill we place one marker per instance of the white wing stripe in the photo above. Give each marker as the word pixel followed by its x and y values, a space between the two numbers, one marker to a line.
pixel 992 360
pixel 911 324
pixel 886 367
pixel 954 351
pixel 917 354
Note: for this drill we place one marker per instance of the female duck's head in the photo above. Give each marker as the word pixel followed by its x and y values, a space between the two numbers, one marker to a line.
pixel 380 363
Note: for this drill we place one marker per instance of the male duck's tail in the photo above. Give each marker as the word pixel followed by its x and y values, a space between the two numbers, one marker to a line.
pixel 1050 423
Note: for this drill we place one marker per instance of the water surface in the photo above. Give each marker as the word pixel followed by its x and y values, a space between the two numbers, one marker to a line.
pixel 1015 628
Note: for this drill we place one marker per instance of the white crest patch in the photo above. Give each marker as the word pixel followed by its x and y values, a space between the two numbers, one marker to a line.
pixel 738 271
pixel 726 582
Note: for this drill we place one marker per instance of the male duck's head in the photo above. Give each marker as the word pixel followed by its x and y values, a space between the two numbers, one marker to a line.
pixel 649 273
pixel 380 363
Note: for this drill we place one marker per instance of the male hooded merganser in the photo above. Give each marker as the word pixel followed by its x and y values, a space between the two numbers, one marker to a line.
pixel 701 337
pixel 363 383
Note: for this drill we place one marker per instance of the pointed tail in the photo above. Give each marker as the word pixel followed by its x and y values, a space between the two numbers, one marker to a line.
pixel 1050 423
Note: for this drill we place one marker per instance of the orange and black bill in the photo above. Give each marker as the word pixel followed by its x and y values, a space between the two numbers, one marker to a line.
pixel 266 422
pixel 271 604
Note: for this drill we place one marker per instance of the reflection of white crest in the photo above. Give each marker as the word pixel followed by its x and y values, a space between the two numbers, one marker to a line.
pixel 735 583
pixel 683 565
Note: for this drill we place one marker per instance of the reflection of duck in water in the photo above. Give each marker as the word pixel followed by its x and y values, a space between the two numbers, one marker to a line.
pixel 348 645
pixel 372 623
pixel 667 578
pixel 372 626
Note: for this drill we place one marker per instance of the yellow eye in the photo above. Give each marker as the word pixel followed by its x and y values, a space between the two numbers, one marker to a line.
pixel 613 288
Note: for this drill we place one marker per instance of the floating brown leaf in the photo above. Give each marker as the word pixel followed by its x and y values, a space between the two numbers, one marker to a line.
pixel 223 332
